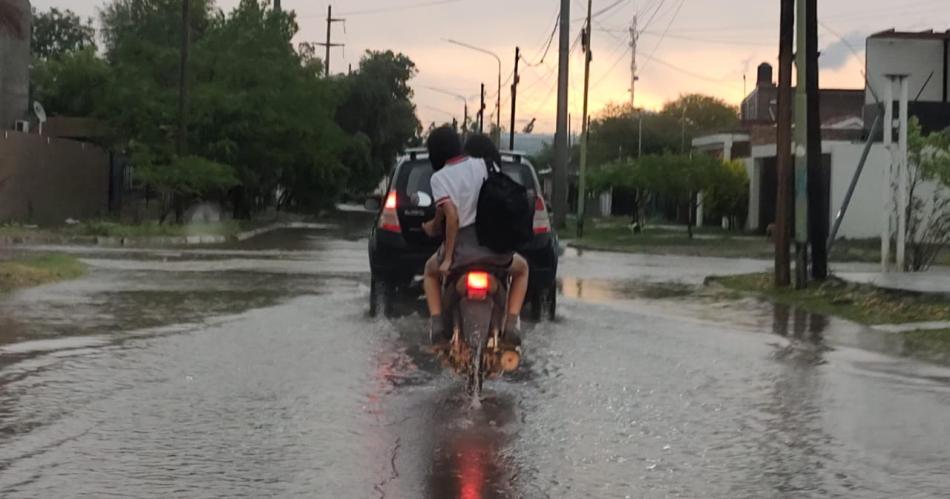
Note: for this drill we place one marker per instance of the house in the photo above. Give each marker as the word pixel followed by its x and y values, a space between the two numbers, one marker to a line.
pixel 846 118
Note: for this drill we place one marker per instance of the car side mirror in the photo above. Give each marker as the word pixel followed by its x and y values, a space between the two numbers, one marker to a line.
pixel 371 204
pixel 421 199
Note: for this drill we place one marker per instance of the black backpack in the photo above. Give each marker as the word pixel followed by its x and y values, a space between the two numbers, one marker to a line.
pixel 505 219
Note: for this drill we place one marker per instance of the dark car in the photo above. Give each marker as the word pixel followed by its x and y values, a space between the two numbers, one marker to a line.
pixel 399 248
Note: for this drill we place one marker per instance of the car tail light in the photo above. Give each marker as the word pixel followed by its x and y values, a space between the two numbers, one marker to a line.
pixel 477 284
pixel 542 222
pixel 389 219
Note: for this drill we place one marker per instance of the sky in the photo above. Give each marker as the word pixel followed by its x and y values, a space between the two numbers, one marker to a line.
pixel 684 46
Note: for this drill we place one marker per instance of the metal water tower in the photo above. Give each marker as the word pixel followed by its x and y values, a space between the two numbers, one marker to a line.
pixel 15 62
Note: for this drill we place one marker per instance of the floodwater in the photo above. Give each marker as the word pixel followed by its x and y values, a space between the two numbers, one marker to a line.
pixel 253 371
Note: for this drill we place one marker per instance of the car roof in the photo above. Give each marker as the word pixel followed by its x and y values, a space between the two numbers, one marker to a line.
pixel 416 153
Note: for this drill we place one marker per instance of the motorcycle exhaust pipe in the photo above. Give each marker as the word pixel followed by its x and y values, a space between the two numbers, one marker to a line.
pixel 510 360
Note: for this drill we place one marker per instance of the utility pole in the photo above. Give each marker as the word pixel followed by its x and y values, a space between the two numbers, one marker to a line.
pixel 560 140
pixel 888 191
pixel 585 126
pixel 277 6
pixel 183 76
pixel 634 38
pixel 783 275
pixel 819 177
pixel 328 45
pixel 801 150
pixel 514 98
pixel 481 112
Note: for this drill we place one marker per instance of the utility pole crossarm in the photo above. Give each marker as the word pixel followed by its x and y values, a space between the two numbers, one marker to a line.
pixel 329 43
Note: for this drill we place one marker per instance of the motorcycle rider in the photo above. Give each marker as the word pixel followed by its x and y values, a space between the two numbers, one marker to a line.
pixel 456 184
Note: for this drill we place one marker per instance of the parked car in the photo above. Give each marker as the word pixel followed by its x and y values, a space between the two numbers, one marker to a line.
pixel 399 248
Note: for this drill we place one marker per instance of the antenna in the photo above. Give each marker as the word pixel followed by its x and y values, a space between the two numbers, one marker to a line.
pixel 40 114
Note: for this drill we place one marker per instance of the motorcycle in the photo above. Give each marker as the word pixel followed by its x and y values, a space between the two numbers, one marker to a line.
pixel 475 301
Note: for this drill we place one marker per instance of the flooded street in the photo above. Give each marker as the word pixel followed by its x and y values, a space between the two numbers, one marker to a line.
pixel 254 371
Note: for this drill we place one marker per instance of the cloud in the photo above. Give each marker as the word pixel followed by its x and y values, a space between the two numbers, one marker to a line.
pixel 837 55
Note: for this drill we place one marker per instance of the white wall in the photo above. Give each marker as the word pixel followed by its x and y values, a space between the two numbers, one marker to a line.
pixel 863 218
pixel 918 58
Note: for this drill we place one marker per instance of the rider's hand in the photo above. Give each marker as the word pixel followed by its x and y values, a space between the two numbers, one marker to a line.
pixel 445 267
pixel 429 228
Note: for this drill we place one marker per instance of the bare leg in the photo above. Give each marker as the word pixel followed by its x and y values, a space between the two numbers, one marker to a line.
pixel 519 284
pixel 432 284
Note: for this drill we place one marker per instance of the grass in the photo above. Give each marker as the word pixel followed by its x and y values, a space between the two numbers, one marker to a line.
pixel 863 304
pixel 860 303
pixel 36 270
pixel 932 344
pixel 105 228
pixel 614 234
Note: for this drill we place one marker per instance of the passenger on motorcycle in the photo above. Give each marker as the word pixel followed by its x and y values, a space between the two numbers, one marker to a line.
pixel 456 184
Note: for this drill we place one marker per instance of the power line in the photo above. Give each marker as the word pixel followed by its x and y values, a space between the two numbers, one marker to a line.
pixel 679 7
pixel 689 73
pixel 548 47
pixel 709 40
pixel 397 8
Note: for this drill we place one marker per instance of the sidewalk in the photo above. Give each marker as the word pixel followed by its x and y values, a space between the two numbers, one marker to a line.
pixel 934 281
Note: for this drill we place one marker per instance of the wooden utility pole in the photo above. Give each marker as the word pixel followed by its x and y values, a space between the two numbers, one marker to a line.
pixel 783 209
pixel 329 44
pixel 183 77
pixel 561 148
pixel 819 177
pixel 481 112
pixel 801 149
pixel 277 6
pixel 585 126
pixel 514 99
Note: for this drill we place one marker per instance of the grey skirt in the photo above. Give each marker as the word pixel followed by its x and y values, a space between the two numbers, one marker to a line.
pixel 468 252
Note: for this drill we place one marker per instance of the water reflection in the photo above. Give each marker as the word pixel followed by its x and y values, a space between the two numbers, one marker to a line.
pixel 468 459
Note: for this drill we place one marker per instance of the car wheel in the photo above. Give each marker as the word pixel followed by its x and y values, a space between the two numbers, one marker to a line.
pixel 535 304
pixel 552 302
pixel 380 297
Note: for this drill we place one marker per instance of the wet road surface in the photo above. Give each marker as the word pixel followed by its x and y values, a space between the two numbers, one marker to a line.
pixel 253 371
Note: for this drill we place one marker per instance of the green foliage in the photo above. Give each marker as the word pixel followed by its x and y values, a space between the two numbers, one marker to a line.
pixel 927 214
pixel 186 176
pixel 57 33
pixel 616 133
pixel 727 194
pixel 75 83
pixel 670 175
pixel 262 125
pixel 377 103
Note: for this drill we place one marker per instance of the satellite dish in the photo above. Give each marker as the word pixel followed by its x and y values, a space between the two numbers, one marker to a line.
pixel 39 111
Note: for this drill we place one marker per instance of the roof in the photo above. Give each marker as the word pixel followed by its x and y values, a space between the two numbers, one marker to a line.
pixel 913 35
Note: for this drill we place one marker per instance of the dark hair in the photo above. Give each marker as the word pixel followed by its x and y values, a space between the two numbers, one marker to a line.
pixel 443 144
pixel 481 146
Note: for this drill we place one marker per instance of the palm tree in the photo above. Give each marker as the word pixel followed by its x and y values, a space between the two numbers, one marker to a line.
pixel 10 19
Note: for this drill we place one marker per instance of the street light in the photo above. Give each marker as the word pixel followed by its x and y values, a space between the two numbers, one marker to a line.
pixel 498 102
pixel 457 96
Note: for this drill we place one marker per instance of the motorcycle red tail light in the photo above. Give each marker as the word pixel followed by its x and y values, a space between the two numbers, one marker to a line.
pixel 477 284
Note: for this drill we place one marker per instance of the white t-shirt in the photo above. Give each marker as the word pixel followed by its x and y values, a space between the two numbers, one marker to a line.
pixel 460 181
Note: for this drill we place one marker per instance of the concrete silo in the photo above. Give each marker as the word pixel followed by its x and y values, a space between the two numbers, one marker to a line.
pixel 15 60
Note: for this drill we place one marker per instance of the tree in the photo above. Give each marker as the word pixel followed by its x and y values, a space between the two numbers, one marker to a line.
pixel 76 83
pixel 704 114
pixel 727 195
pixel 56 33
pixel 377 102
pixel 928 202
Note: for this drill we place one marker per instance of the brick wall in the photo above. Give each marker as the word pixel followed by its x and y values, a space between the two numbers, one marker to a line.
pixel 45 180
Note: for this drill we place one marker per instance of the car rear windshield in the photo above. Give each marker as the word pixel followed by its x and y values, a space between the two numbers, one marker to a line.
pixel 417 175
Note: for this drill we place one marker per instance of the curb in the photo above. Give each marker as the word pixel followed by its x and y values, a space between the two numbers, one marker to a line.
pixel 157 241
